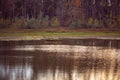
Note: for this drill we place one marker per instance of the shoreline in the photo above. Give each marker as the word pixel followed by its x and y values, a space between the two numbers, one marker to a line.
pixel 55 34
pixel 29 38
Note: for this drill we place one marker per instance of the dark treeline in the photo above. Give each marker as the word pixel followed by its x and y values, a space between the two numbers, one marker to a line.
pixel 73 13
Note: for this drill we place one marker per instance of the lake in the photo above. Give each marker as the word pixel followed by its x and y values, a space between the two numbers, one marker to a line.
pixel 60 59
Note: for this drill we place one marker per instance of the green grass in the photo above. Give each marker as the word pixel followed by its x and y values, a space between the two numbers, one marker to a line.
pixel 54 34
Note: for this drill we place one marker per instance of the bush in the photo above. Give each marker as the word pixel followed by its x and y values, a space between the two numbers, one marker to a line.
pixel 84 23
pixel 90 22
pixel 118 22
pixel 76 24
pixel 19 23
pixel 45 22
pixel 31 23
pixel 5 23
pixel 93 23
pixel 1 23
pixel 38 23
pixel 26 23
pixel 55 22
pixel 96 23
pixel 111 23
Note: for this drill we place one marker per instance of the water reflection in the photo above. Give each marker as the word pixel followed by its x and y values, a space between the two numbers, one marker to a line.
pixel 59 62
pixel 13 68
pixel 73 51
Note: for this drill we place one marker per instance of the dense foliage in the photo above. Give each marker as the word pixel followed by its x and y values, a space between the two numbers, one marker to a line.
pixel 73 13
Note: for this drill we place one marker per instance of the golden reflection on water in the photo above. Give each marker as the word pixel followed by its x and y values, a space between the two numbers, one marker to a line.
pixel 73 51
pixel 61 62
pixel 74 75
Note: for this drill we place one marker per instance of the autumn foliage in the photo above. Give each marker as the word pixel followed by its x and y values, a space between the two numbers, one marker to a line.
pixel 44 13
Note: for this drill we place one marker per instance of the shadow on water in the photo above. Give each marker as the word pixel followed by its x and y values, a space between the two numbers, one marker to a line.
pixel 60 60
pixel 82 42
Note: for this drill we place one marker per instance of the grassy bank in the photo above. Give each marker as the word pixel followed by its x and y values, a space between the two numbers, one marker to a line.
pixel 54 33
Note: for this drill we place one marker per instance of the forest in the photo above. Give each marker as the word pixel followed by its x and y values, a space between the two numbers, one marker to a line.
pixel 33 14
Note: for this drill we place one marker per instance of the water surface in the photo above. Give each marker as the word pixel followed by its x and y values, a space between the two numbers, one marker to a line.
pixel 65 59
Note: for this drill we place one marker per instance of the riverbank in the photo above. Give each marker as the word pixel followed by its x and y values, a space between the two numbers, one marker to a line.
pixel 27 38
pixel 7 35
